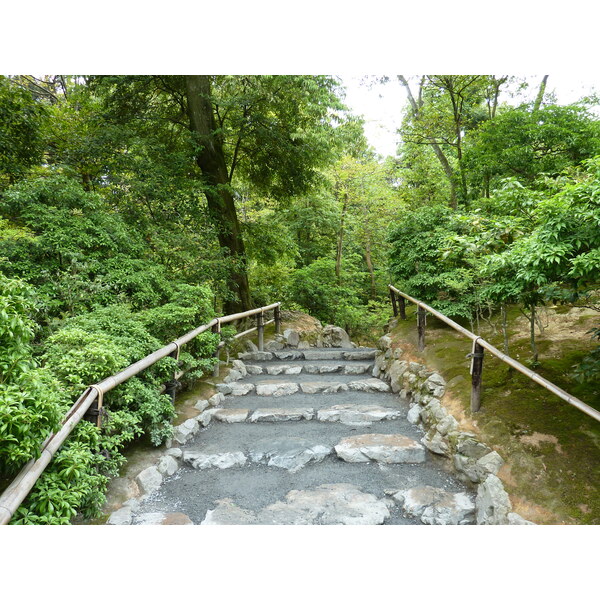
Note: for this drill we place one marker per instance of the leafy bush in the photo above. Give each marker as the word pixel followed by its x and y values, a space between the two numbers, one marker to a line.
pixel 420 266
pixel 30 407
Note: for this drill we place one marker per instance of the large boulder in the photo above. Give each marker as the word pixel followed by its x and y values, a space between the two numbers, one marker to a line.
pixel 292 339
pixel 149 480
pixel 435 506
pixel 336 337
pixel 492 503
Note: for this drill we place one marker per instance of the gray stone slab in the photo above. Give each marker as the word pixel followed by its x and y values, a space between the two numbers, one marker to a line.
pixel 276 388
pixel 276 415
pixel 214 459
pixel 359 355
pixel 323 387
pixel 283 369
pixel 241 389
pixel 323 354
pixel 381 448
pixel 257 356
pixel 291 453
pixel 369 385
pixel 328 504
pixel 357 414
pixel 289 355
pixel 435 506
pixel 229 415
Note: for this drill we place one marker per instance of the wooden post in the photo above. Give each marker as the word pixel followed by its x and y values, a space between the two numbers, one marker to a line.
pixel 261 331
pixel 171 386
pixel 277 315
pixel 216 329
pixel 394 306
pixel 402 303
pixel 476 371
pixel 421 321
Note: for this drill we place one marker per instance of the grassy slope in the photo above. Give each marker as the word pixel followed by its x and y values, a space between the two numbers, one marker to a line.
pixel 552 450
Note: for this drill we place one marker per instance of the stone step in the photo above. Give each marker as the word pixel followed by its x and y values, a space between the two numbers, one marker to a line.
pixel 349 414
pixel 286 387
pixel 355 354
pixel 290 453
pixel 311 368
pixel 299 399
pixel 380 448
pixel 357 414
pixel 327 504
pixel 436 506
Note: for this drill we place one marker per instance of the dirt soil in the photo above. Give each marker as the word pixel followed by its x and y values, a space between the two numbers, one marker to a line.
pixel 551 450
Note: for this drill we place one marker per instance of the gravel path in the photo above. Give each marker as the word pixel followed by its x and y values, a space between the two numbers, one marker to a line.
pixel 338 456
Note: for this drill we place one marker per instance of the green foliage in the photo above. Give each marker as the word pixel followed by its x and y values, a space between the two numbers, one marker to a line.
pixel 21 144
pixel 589 368
pixel 30 407
pixel 524 144
pixel 422 266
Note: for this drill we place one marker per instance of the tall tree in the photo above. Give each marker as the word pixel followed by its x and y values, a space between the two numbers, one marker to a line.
pixel 221 204
pixel 441 114
pixel 273 133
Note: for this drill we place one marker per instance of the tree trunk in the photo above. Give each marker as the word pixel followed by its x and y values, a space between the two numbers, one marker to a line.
pixel 534 349
pixel 504 329
pixel 435 146
pixel 370 266
pixel 338 254
pixel 221 205
pixel 540 96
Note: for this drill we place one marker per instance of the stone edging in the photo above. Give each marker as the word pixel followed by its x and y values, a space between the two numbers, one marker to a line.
pixel 151 478
pixel 474 462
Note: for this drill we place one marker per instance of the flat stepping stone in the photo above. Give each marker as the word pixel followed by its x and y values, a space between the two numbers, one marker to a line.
pixel 240 389
pixel 358 369
pixel 211 459
pixel 323 387
pixel 369 385
pixel 256 356
pixel 290 453
pixel 369 354
pixel 315 369
pixel 435 506
pixel 357 414
pixel 276 415
pixel 159 518
pixel 289 355
pixel 323 354
pixel 229 415
pixel 276 388
pixel 283 369
pixel 381 448
pixel 329 504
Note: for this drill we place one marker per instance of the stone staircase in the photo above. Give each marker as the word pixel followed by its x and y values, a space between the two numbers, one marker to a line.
pixel 301 437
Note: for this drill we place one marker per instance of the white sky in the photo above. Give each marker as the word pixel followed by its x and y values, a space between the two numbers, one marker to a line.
pixel 382 104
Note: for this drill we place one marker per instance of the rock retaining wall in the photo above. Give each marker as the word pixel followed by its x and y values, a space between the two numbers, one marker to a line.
pixel 474 462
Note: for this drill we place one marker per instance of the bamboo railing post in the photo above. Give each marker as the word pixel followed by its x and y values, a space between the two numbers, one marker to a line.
pixel 171 385
pixel 421 322
pixel 216 328
pixel 393 298
pixel 261 331
pixel 277 316
pixel 402 303
pixel 476 373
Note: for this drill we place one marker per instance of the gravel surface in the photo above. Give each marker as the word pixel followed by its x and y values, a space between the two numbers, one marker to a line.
pixel 255 486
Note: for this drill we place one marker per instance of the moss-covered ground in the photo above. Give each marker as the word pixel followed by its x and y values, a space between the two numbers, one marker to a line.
pixel 551 449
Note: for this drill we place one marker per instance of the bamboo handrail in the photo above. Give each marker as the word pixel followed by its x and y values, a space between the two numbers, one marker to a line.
pixel 18 489
pixel 582 406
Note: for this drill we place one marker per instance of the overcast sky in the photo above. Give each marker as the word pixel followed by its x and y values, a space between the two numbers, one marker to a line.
pixel 382 104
